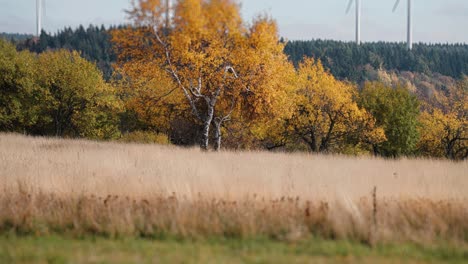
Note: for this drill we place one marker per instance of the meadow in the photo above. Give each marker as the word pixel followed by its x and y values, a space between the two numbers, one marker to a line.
pixel 77 189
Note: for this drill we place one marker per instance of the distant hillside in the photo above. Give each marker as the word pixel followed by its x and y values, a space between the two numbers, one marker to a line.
pixel 345 60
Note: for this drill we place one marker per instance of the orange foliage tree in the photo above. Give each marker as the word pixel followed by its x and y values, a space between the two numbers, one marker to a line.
pixel 203 58
pixel 444 124
pixel 326 115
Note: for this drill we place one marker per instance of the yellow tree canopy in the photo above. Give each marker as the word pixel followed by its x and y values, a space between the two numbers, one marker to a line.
pixel 326 114
pixel 444 126
pixel 223 69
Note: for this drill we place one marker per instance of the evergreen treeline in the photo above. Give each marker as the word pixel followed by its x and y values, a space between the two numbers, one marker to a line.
pixel 346 60
pixel 93 43
pixel 15 37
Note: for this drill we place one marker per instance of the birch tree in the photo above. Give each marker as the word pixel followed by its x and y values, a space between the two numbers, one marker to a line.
pixel 222 68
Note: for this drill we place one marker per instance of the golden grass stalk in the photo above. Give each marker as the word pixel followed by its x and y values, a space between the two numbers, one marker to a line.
pixel 82 187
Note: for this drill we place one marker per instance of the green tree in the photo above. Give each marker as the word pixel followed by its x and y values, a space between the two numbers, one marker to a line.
pixel 78 102
pixel 397 111
pixel 19 93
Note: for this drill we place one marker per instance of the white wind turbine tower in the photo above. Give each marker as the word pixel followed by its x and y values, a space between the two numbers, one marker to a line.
pixel 410 23
pixel 38 17
pixel 40 12
pixel 358 18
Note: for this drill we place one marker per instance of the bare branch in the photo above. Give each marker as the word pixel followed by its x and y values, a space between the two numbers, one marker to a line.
pixel 194 90
pixel 171 69
pixel 199 84
pixel 228 116
pixel 230 69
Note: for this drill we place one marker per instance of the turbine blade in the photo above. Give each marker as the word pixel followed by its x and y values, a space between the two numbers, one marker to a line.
pixel 349 6
pixel 396 5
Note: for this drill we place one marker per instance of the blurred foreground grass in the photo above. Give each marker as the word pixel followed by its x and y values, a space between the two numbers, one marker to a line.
pixel 60 249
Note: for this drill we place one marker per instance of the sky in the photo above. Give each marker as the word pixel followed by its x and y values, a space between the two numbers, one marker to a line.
pixel 435 21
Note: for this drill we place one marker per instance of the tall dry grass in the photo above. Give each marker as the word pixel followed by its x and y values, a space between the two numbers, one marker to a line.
pixel 81 187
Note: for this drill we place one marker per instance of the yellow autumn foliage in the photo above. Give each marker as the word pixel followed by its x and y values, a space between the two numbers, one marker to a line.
pixel 326 115
pixel 444 125
pixel 204 60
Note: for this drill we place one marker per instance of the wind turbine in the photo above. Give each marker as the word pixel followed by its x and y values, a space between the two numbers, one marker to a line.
pixel 40 13
pixel 358 18
pixel 38 17
pixel 410 23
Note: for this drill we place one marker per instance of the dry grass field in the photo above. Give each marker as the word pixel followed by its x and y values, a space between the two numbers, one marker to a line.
pixel 66 167
pixel 74 187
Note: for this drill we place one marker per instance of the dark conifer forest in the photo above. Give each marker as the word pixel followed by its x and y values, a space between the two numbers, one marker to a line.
pixel 345 60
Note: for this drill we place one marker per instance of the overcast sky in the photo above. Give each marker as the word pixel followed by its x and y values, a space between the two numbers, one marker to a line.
pixel 434 20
